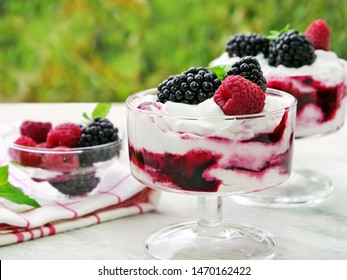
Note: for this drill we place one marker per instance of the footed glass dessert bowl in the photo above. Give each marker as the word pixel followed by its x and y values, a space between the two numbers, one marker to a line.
pixel 195 150
pixel 304 66
pixel 321 110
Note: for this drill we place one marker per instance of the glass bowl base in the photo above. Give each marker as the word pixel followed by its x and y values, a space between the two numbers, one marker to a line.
pixel 303 188
pixel 234 242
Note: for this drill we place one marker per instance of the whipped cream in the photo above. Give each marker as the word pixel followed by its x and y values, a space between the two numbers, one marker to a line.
pixel 327 67
pixel 177 117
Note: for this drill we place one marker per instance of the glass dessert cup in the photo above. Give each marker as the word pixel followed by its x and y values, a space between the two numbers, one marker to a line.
pixel 210 157
pixel 61 174
pixel 321 110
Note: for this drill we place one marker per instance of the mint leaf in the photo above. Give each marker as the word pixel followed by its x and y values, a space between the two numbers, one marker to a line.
pixel 16 195
pixel 12 193
pixel 220 70
pixel 273 34
pixel 101 110
pixel 3 174
pixel 85 115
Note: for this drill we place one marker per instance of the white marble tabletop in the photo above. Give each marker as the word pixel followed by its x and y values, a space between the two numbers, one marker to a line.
pixel 316 233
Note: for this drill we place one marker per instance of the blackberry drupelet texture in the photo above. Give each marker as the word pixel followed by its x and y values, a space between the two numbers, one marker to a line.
pixel 191 87
pixel 100 131
pixel 249 44
pixel 291 49
pixel 249 68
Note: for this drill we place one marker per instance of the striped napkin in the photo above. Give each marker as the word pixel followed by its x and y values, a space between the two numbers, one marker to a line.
pixel 120 196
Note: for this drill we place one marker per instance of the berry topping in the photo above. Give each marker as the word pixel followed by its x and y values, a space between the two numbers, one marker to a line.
pixel 239 96
pixel 24 157
pixel 99 131
pixel 60 162
pixel 249 68
pixel 247 44
pixel 25 141
pixel 66 135
pixel 35 130
pixel 191 87
pixel 291 49
pixel 319 34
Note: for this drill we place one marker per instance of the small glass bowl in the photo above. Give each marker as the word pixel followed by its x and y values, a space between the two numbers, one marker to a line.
pixel 61 173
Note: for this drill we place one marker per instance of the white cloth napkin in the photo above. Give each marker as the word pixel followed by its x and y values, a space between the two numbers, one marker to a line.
pixel 121 195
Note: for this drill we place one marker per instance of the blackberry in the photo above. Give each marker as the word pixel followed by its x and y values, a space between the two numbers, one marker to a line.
pixel 291 49
pixel 77 185
pixel 247 44
pixel 192 86
pixel 100 131
pixel 249 68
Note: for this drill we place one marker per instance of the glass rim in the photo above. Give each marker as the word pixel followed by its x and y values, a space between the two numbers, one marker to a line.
pixel 8 138
pixel 77 150
pixel 293 103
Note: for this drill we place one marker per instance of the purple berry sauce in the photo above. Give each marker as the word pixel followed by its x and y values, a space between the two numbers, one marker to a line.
pixel 310 91
pixel 272 137
pixel 189 171
pixel 184 171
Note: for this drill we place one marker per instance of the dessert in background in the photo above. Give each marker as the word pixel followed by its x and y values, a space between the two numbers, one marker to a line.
pixel 303 65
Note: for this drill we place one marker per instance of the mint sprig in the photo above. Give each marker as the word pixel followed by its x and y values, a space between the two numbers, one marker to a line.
pixel 273 34
pixel 101 110
pixel 220 70
pixel 13 193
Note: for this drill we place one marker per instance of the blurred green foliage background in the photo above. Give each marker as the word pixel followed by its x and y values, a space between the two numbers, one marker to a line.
pixel 104 50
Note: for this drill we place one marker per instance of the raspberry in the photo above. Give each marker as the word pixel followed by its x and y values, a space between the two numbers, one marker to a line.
pixel 60 162
pixel 35 130
pixel 191 87
pixel 239 96
pixel 318 33
pixel 23 157
pixel 249 68
pixel 291 49
pixel 66 135
pixel 247 45
pixel 42 145
pixel 25 141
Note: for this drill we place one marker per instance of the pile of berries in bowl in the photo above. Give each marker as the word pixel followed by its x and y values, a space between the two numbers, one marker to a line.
pixel 65 160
